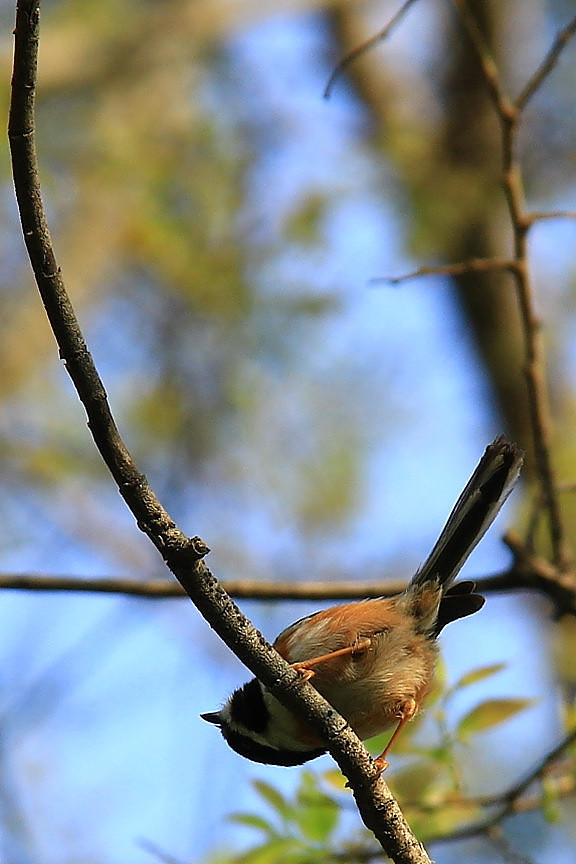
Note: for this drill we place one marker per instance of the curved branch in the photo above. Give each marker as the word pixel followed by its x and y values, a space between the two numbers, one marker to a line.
pixel 183 555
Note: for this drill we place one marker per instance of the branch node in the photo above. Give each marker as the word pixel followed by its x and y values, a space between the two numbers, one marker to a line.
pixel 198 548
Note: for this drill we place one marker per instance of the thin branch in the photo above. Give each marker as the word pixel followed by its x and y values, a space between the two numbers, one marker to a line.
pixel 533 572
pixel 366 46
pixel 510 799
pixel 487 62
pixel 540 216
pixel 529 572
pixel 538 505
pixel 534 366
pixel 473 265
pixel 378 809
pixel 547 65
pixel 504 805
pixel 503 847
pixel 246 589
pixel 508 114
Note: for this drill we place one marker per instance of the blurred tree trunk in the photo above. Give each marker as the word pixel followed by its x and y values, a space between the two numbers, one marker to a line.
pixel 453 178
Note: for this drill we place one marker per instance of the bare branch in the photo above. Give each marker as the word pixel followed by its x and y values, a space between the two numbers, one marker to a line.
pixel 547 65
pixel 508 803
pixel 473 265
pixel 366 46
pixel 540 216
pixel 534 366
pixel 529 572
pixel 508 114
pixel 487 62
pixel 378 809
pixel 246 589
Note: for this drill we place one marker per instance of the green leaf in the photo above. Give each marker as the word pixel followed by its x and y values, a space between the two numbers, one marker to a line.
pixel 476 675
pixel 273 797
pixel 488 714
pixel 278 850
pixel 418 781
pixel 254 821
pixel 316 813
pixel 317 820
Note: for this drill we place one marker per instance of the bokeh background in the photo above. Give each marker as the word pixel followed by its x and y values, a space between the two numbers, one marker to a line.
pixel 218 224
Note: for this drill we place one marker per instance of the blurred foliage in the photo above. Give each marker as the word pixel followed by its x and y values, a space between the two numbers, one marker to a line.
pixel 146 155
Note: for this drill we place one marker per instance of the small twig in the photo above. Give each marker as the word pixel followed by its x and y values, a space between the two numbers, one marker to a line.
pixel 516 792
pixel 564 788
pixel 540 216
pixel 502 846
pixel 536 573
pixel 365 46
pixel 547 65
pixel 534 366
pixel 159 854
pixel 473 265
pixel 510 799
pixel 537 506
pixel 508 114
pixel 487 62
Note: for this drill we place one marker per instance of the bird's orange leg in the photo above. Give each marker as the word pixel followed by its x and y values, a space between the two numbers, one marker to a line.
pixel 304 666
pixel 405 714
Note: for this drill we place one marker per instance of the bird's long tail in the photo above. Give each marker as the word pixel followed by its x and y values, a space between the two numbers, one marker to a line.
pixel 473 513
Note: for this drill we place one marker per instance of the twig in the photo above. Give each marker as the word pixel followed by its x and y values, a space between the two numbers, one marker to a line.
pixel 246 589
pixel 509 114
pixel 473 265
pixel 511 798
pixel 537 506
pixel 529 572
pixel 508 855
pixel 365 46
pixel 564 788
pixel 377 807
pixel 547 65
pixel 540 216
pixel 534 572
pixel 487 62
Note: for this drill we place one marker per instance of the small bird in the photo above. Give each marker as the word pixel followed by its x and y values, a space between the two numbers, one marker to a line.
pixel 374 660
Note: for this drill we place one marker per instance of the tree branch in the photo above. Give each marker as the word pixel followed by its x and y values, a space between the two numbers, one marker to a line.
pixel 547 65
pixel 529 572
pixel 366 46
pixel 509 114
pixel 503 805
pixel 183 555
pixel 459 268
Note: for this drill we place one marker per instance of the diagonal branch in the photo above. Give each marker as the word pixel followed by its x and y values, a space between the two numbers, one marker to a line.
pixel 366 46
pixel 183 555
pixel 547 65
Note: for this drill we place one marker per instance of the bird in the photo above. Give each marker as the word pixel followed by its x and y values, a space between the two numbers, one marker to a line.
pixel 374 659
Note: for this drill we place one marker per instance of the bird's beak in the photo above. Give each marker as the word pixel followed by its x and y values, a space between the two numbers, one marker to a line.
pixel 212 717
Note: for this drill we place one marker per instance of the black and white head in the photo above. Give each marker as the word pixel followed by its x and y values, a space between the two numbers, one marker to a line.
pixel 258 727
